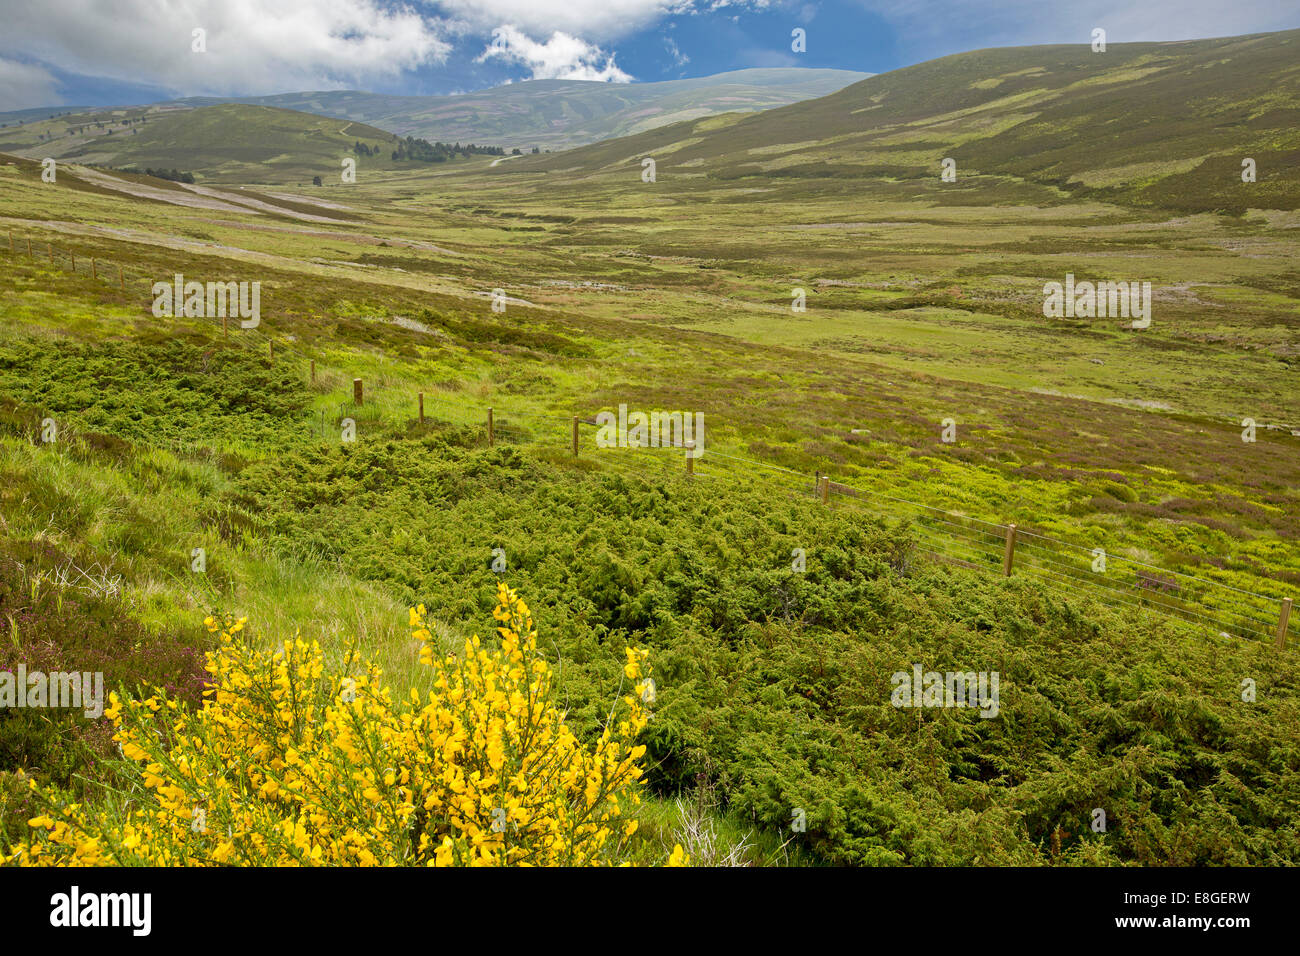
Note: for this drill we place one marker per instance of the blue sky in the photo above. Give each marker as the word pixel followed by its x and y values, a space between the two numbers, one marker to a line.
pixel 89 52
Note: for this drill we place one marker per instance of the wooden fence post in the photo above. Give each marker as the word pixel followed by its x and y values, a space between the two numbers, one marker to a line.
pixel 270 351
pixel 422 408
pixel 29 245
pixel 1011 551
pixel 121 279
pixel 11 241
pixel 74 261
pixel 824 489
pixel 491 430
pixel 690 462
pixel 575 436
pixel 225 325
pixel 94 273
pixel 313 371
pixel 1282 622
pixel 357 394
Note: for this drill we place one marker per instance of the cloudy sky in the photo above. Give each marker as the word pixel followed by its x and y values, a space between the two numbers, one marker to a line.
pixel 99 52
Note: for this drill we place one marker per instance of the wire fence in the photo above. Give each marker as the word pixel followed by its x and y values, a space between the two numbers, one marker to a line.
pixel 943 536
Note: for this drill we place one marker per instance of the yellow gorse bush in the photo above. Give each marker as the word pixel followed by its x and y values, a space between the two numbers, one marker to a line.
pixel 286 765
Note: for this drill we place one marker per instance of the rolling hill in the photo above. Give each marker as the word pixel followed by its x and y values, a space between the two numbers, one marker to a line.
pixel 1148 124
pixel 231 142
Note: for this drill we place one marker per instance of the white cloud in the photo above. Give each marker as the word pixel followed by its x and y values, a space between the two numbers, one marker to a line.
pixel 562 57
pixel 679 58
pixel 597 20
pixel 251 46
pixel 23 85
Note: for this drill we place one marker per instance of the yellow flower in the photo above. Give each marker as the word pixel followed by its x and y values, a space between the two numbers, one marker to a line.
pixel 289 773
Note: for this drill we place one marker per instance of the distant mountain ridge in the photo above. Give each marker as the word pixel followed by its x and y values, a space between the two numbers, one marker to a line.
pixel 549 114
pixel 287 135
pixel 558 114
pixel 293 137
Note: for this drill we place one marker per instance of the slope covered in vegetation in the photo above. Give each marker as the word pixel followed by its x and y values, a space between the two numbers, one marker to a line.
pixel 1163 125
pixel 773 685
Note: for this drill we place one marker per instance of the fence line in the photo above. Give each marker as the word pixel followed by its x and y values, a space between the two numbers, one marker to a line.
pixel 948 536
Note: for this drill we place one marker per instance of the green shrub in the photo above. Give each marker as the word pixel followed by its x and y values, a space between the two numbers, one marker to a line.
pixel 774 685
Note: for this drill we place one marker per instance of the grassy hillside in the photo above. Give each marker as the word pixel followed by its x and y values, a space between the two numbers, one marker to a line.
pixel 1163 125
pixel 18 117
pixel 223 143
